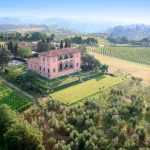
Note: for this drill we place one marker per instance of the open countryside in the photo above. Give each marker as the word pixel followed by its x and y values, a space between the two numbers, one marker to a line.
pixel 139 70
pixel 75 75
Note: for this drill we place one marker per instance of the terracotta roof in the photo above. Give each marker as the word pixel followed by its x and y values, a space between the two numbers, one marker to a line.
pixel 59 52
pixel 33 60
pixel 28 43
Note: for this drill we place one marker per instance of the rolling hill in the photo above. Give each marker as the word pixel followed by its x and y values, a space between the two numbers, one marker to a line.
pixel 132 32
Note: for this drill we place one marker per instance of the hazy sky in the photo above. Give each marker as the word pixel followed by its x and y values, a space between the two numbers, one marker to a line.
pixel 126 11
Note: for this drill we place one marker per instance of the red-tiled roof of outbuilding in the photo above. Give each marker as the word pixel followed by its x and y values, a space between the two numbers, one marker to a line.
pixel 33 60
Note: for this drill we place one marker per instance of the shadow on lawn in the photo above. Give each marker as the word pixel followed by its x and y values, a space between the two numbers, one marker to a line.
pixel 100 77
pixel 97 77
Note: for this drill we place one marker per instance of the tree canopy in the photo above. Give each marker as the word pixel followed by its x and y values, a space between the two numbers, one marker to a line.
pixel 24 52
pixel 16 133
pixel 4 56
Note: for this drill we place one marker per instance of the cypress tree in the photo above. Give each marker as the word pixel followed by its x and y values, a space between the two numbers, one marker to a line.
pixel 61 44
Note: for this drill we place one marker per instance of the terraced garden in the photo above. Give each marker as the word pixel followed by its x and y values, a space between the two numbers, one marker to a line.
pixel 135 54
pixel 10 97
pixel 19 76
pixel 58 82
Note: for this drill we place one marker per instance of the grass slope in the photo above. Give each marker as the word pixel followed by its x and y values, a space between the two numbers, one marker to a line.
pixel 77 92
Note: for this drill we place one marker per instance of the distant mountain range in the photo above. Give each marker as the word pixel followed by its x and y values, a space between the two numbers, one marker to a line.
pixel 132 32
pixel 75 26
pixel 33 28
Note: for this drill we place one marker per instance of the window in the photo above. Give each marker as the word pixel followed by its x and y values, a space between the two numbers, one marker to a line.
pixel 71 64
pixel 54 70
pixel 77 64
pixel 71 55
pixel 66 66
pixel 60 67
pixel 48 70
pixel 40 68
pixel 44 69
pixel 47 59
pixel 43 59
pixel 60 58
pixel 66 56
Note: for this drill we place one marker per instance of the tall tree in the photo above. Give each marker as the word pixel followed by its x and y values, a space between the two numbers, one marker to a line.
pixel 15 49
pixel 36 36
pixel 4 56
pixel 89 62
pixel 42 46
pixel 22 136
pixel 24 52
pixel 7 118
pixel 10 46
pixel 52 37
pixel 61 44
pixel 104 68
pixel 67 43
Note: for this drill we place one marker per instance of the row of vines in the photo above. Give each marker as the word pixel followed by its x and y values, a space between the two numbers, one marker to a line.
pixel 135 54
pixel 12 98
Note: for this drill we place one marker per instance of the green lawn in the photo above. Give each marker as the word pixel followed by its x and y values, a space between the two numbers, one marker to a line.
pixel 82 90
pixel 57 82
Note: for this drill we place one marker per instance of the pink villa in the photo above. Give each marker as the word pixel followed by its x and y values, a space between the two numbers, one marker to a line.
pixel 56 63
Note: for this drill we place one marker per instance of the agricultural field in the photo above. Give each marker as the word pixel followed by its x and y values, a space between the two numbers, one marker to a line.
pixel 83 90
pixel 126 67
pixel 10 97
pixel 139 55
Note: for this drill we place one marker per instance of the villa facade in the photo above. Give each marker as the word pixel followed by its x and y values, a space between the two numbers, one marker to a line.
pixel 56 63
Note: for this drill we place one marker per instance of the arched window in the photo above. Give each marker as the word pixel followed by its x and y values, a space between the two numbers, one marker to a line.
pixel 66 56
pixel 66 65
pixel 61 66
pixel 60 57
pixel 71 64
pixel 70 55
